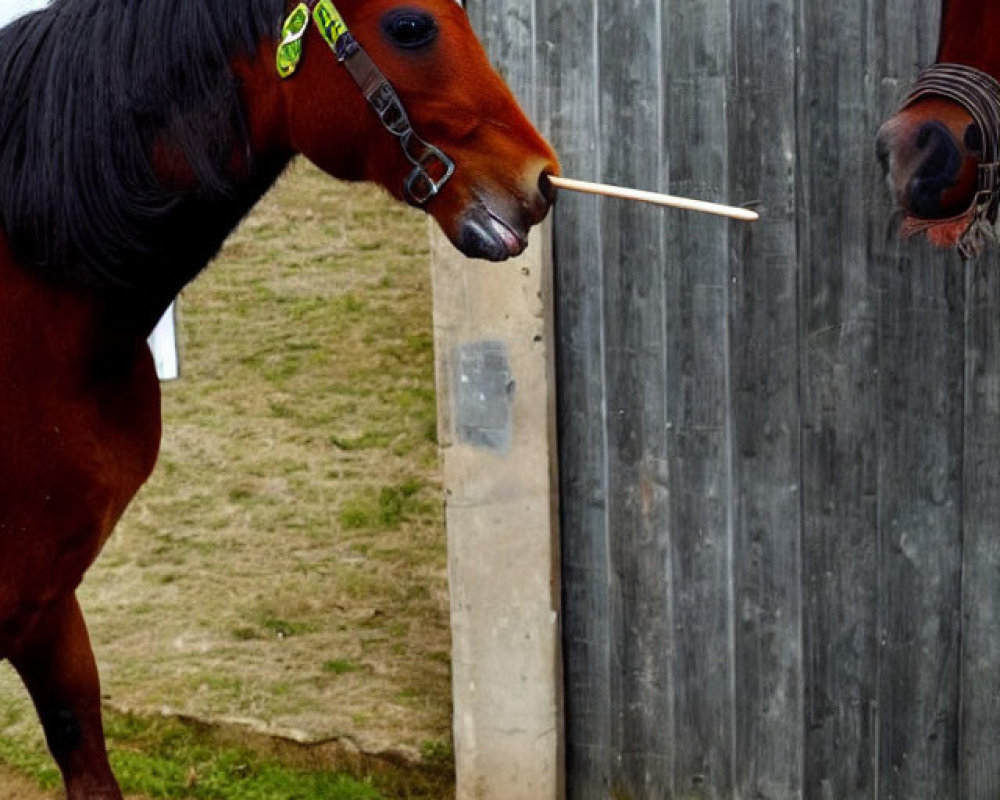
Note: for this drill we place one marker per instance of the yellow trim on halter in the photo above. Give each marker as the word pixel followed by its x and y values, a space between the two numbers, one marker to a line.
pixel 331 25
pixel 292 33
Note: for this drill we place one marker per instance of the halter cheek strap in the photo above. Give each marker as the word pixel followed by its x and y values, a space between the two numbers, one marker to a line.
pixel 432 169
pixel 979 94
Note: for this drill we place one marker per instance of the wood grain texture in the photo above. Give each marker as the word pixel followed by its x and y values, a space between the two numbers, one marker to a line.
pixel 765 408
pixel 840 377
pixel 920 420
pixel 635 370
pixel 980 679
pixel 696 54
pixel 778 444
pixel 566 32
pixel 920 417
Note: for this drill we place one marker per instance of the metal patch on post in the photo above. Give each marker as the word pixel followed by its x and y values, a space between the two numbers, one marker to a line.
pixel 292 33
pixel 484 391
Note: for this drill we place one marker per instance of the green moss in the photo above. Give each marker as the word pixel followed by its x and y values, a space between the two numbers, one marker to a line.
pixel 340 667
pixel 384 510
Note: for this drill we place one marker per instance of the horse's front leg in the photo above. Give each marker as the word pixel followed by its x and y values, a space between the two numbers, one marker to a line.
pixel 57 665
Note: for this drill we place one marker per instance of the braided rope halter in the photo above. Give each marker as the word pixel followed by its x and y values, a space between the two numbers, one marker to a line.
pixel 979 94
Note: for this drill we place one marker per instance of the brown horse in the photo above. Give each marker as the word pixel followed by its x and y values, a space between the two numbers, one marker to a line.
pixel 133 138
pixel 933 147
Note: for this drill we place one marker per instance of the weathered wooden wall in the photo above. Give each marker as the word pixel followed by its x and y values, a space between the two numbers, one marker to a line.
pixel 780 444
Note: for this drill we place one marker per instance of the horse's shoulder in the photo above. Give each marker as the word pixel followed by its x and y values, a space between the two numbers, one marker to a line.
pixel 76 390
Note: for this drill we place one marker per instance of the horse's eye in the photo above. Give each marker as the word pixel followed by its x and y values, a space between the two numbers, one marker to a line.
pixel 973 138
pixel 410 28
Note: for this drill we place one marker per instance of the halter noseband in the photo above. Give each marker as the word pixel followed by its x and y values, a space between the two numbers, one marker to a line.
pixel 979 94
pixel 432 169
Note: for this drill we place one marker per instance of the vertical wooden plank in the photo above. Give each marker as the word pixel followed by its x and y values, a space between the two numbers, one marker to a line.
pixel 920 357
pixel 629 51
pixel 697 49
pixel 980 711
pixel 840 397
pixel 765 406
pixel 921 346
pixel 566 32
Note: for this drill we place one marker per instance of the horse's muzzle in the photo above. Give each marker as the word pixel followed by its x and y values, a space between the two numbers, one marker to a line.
pixel 486 235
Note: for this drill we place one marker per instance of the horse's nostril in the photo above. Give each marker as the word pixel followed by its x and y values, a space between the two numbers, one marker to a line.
pixel 941 158
pixel 935 138
pixel 923 198
pixel 973 138
pixel 546 188
pixel 925 133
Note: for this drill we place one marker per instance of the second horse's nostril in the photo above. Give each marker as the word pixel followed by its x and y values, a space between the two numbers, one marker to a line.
pixel 942 158
pixel 940 163
pixel 933 134
pixel 974 138
pixel 925 134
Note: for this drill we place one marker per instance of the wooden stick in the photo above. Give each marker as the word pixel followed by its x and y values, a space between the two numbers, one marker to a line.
pixel 744 214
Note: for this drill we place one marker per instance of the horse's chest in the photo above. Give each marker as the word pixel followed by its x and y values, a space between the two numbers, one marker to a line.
pixel 79 435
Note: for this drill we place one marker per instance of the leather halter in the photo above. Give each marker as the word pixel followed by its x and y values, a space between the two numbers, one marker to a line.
pixel 979 94
pixel 432 169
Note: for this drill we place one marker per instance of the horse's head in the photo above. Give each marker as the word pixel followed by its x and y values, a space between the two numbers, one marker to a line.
pixel 938 149
pixel 454 100
pixel 931 151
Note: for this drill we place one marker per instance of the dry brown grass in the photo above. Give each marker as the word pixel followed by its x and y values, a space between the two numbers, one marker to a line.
pixel 14 786
pixel 285 566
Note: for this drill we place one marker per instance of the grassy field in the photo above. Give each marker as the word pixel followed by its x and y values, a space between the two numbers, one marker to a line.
pixel 283 573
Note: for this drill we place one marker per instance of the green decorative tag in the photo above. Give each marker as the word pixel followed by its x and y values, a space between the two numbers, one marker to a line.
pixel 331 25
pixel 292 33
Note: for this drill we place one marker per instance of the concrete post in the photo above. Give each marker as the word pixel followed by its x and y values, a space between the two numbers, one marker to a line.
pixel 496 397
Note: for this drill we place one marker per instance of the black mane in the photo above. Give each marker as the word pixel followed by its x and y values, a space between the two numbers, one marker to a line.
pixel 86 88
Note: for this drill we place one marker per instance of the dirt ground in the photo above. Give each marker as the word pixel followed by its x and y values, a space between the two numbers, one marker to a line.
pixel 285 567
pixel 16 787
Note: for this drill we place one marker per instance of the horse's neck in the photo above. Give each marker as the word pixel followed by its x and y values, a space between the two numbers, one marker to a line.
pixel 163 228
pixel 969 34
pixel 187 240
pixel 193 234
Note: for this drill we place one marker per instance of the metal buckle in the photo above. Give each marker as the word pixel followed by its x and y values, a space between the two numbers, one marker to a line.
pixel 982 198
pixel 390 110
pixel 421 186
pixel 432 168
